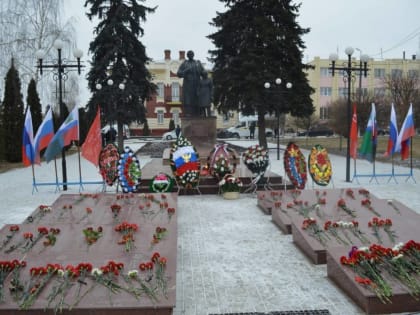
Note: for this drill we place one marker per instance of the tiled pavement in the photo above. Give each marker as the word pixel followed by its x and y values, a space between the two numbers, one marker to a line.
pixel 232 259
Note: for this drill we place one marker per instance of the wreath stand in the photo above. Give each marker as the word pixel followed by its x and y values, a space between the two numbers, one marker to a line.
pixel 185 189
pixel 255 178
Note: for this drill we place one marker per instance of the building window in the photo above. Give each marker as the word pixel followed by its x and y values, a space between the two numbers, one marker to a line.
pixel 175 92
pixel 379 92
pixel 325 91
pixel 325 72
pixel 379 73
pixel 160 89
pixel 175 116
pixel 160 116
pixel 342 92
pixel 362 91
pixel 396 73
pixel 413 74
pixel 323 113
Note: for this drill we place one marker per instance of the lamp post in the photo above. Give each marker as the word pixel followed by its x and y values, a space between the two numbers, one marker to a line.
pixel 349 68
pixel 267 85
pixel 60 69
pixel 111 108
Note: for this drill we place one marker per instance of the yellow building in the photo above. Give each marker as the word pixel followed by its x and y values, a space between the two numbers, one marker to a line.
pixel 329 88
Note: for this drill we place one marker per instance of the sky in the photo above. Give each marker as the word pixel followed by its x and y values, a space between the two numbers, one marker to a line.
pixel 381 29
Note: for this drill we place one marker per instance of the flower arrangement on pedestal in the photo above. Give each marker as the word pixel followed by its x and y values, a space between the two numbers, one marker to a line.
pixel 230 183
pixel 129 171
pixel 185 163
pixel 256 159
pixel 221 161
pixel 161 182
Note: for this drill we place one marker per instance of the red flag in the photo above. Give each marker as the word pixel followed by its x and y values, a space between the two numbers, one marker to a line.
pixel 93 142
pixel 353 134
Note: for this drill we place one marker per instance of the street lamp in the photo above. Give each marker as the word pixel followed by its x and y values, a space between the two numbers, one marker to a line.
pixel 349 68
pixel 267 85
pixel 60 69
pixel 111 108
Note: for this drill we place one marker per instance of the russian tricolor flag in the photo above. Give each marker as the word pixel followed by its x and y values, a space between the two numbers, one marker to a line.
pixel 28 140
pixel 44 135
pixel 407 131
pixel 393 133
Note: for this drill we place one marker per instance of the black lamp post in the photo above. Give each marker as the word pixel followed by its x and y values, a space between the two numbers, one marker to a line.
pixel 267 85
pixel 60 69
pixel 349 68
pixel 111 109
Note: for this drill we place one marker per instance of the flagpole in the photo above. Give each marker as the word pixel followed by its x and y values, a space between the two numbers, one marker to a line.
pixel 33 179
pixel 56 175
pixel 80 168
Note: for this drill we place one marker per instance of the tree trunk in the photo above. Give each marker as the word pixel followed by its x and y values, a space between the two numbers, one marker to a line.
pixel 262 140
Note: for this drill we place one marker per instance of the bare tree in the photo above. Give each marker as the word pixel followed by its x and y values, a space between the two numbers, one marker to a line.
pixel 403 91
pixel 27 26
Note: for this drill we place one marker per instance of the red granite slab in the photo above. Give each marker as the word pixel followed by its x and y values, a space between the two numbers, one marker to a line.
pixel 405 221
pixel 343 277
pixel 68 214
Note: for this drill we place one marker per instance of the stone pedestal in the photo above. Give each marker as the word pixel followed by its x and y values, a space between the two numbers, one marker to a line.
pixel 201 131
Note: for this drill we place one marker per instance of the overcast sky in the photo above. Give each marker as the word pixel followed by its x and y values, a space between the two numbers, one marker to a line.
pixel 379 28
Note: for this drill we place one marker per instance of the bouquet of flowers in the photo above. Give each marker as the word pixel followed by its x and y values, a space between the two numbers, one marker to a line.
pixel 256 159
pixel 230 183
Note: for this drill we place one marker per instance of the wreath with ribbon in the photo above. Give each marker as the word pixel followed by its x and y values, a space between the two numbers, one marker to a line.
pixel 295 165
pixel 221 161
pixel 129 171
pixel 161 182
pixel 108 163
pixel 185 163
pixel 320 165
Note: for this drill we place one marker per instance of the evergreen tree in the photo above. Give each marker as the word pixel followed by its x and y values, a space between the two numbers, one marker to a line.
pixel 32 100
pixel 117 54
pixel 257 42
pixel 146 129
pixel 171 125
pixel 13 116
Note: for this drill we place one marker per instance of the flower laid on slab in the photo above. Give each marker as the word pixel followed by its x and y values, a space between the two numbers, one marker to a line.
pixel 160 234
pixel 116 209
pixel 13 230
pixel 364 192
pixel 92 235
pixel 334 228
pixel 51 237
pixel 31 240
pixel 376 224
pixel 6 267
pixel 350 193
pixel 88 212
pixel 398 263
pixel 42 210
pixel 40 277
pixel 341 203
pixel 368 204
pixel 315 231
pixel 230 183
pixel 127 230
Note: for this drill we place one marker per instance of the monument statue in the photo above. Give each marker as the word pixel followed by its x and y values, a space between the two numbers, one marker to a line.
pixel 205 95
pixel 191 71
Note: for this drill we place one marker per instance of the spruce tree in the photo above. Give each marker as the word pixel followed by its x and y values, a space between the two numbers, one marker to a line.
pixel 118 54
pixel 13 116
pixel 258 41
pixel 33 101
